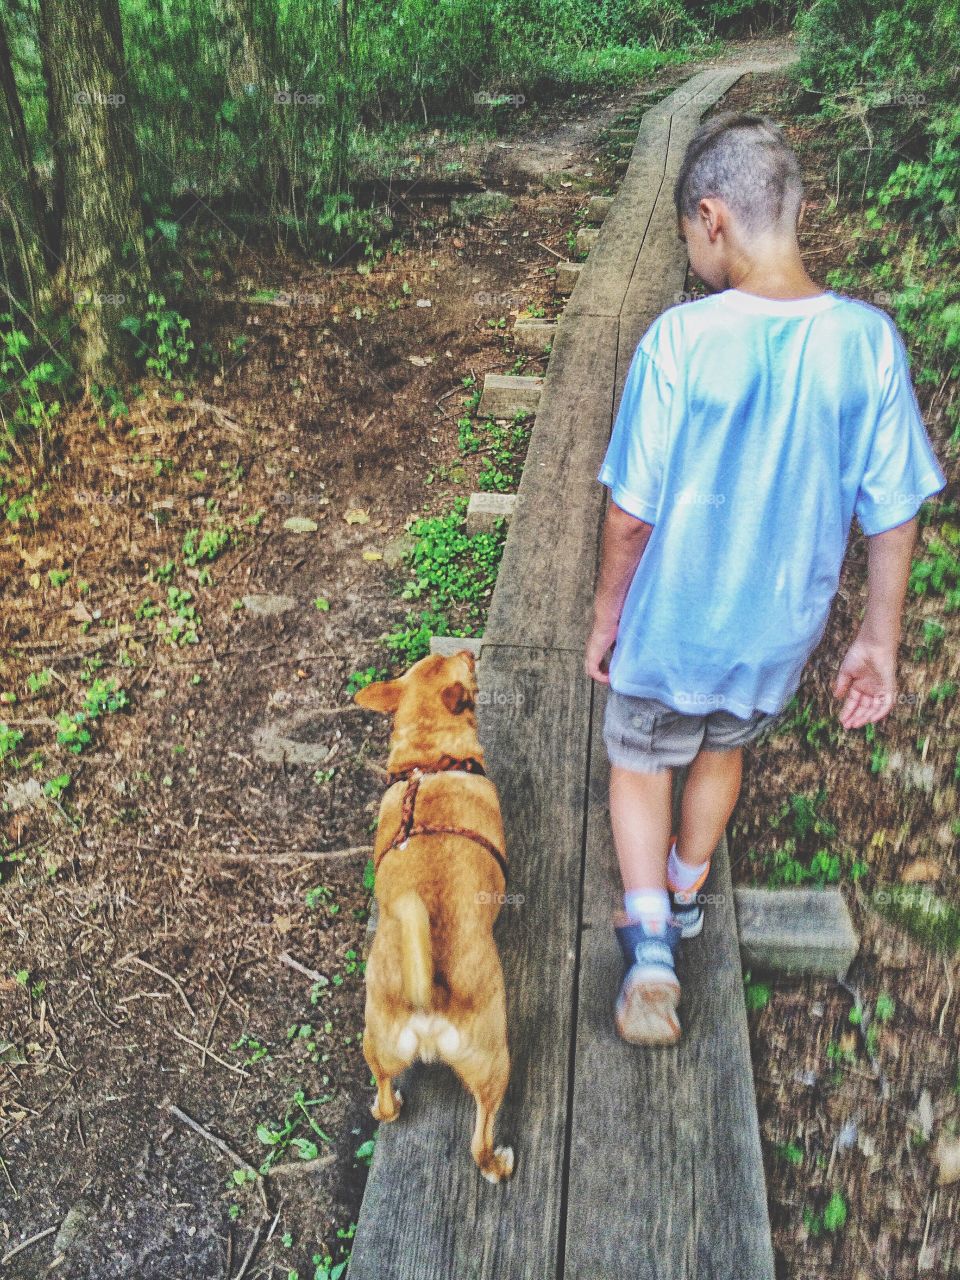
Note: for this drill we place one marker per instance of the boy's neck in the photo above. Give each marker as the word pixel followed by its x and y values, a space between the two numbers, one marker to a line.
pixel 777 273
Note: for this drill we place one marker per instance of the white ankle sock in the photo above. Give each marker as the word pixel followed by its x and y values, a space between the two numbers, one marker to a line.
pixel 681 875
pixel 652 906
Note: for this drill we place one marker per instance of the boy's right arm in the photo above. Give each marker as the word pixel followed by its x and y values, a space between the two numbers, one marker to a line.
pixel 867 678
pixel 623 543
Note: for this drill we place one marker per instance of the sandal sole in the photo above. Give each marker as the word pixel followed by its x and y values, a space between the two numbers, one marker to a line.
pixel 646 1014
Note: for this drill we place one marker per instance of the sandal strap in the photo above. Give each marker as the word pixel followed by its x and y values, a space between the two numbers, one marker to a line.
pixel 640 947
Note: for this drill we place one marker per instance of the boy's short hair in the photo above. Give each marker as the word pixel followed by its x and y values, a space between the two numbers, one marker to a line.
pixel 746 161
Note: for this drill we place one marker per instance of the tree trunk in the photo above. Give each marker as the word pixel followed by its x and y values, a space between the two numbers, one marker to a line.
pixel 23 198
pixel 98 224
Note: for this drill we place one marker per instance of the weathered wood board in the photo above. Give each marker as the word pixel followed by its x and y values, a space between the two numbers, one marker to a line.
pixel 426 1211
pixel 665 1145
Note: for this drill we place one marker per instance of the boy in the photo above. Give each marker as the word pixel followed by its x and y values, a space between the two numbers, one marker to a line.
pixel 754 425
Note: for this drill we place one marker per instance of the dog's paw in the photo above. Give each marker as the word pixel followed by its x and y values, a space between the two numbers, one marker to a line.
pixel 501 1166
pixel 383 1116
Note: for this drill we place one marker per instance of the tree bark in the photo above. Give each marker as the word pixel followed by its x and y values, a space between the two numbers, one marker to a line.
pixel 29 216
pixel 97 219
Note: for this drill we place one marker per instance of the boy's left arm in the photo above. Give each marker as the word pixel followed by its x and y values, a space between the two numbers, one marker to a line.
pixel 867 678
pixel 624 539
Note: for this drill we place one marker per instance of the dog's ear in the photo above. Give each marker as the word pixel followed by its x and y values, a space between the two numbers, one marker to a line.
pixel 457 698
pixel 383 695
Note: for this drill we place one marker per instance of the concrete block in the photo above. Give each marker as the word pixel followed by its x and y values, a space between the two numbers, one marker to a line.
pixel 506 394
pixel 587 237
pixel 795 932
pixel 484 508
pixel 534 336
pixel 568 273
pixel 448 645
pixel 598 208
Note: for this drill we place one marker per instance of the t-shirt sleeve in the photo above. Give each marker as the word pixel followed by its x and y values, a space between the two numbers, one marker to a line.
pixel 902 469
pixel 633 464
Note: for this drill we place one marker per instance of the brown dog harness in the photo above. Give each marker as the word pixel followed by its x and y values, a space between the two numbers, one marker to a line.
pixel 408 827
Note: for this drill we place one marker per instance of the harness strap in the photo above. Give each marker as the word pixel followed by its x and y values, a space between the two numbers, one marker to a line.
pixel 468 764
pixel 407 827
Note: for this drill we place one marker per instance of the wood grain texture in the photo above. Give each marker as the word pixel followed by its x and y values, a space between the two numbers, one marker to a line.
pixel 665 1144
pixel 544 591
pixel 427 1214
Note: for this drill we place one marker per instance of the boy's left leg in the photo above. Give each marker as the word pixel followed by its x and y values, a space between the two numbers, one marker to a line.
pixel 645 741
pixel 640 816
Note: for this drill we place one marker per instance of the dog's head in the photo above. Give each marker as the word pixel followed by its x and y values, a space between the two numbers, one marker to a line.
pixel 433 705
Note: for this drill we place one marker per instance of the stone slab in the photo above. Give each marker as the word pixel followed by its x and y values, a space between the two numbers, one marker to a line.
pixel 534 336
pixel 505 394
pixel 449 645
pixel 484 508
pixel 598 208
pixel 587 237
pixel 795 932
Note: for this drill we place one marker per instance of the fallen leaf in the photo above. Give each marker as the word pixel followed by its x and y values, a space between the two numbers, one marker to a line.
pixel 424 302
pixel 34 559
pixel 357 516
pixel 947 1156
pixel 35 581
pixel 372 555
pixel 921 870
pixel 282 923
pixel 80 612
pixel 420 361
pixel 300 524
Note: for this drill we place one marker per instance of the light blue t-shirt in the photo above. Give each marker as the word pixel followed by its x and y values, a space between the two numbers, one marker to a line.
pixel 750 432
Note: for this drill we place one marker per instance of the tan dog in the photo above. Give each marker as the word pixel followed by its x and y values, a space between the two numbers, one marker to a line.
pixel 433 977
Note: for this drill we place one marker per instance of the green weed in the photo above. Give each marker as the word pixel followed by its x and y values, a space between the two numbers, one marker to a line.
pixel 455 571
pixel 160 337
pixel 930 919
pixel 360 679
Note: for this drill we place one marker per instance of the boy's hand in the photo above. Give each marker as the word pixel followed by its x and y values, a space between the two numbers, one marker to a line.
pixel 601 640
pixel 622 544
pixel 868 680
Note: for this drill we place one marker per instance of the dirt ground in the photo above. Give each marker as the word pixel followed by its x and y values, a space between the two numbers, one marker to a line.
pixel 183 922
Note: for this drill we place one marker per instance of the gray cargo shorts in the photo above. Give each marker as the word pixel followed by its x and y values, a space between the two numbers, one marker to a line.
pixel 645 735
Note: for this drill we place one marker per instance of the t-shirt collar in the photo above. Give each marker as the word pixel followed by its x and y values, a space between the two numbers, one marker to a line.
pixel 742 301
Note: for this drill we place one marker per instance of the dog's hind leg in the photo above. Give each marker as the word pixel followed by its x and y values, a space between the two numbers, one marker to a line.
pixel 486 1079
pixel 388 1101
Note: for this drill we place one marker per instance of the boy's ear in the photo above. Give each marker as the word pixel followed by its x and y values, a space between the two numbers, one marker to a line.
pixel 457 698
pixel 384 695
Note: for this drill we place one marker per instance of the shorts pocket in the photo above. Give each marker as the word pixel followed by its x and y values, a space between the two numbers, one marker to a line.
pixel 638 725
pixel 639 735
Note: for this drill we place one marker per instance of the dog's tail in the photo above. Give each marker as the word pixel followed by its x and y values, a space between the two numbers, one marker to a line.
pixel 416 952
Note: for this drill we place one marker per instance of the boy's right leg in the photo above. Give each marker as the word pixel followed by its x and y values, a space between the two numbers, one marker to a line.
pixel 709 795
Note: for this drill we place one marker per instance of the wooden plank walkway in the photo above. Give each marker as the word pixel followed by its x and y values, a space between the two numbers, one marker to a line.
pixel 630 1162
